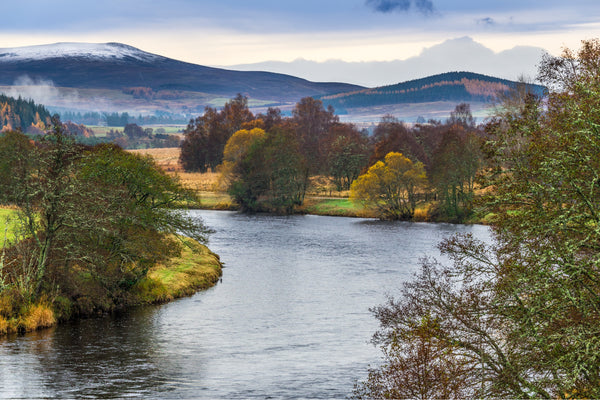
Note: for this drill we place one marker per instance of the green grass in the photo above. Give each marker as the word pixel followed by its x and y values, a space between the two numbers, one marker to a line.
pixel 216 201
pixel 335 207
pixel 195 269
pixel 8 224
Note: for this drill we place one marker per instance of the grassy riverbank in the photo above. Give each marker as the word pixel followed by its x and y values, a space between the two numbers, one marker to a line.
pixel 195 268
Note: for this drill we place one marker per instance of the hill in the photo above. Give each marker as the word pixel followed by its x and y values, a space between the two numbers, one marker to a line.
pixel 120 67
pixel 453 87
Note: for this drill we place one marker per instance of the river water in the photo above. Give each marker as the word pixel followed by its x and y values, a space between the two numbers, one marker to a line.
pixel 290 318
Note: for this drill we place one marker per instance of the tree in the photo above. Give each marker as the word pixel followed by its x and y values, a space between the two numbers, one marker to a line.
pixel 390 187
pixel 454 166
pixel 134 131
pixel 392 135
pixel 271 175
pixel 206 136
pixel 235 150
pixel 312 123
pixel 346 151
pixel 90 217
pixel 522 314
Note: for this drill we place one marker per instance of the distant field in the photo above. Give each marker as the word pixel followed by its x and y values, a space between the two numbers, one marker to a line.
pixel 167 158
pixel 101 131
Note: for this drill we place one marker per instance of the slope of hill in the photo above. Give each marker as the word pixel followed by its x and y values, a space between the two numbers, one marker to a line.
pixel 451 86
pixel 118 66
pixel 22 114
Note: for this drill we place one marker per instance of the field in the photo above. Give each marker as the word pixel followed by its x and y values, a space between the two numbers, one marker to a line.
pixel 101 131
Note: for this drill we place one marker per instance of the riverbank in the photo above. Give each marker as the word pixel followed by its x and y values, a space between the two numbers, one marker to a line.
pixel 195 268
pixel 321 198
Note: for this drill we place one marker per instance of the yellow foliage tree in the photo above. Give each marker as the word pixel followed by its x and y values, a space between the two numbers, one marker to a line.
pixel 235 149
pixel 389 187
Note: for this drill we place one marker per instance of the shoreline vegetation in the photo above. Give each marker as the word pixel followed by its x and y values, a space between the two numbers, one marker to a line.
pixel 91 230
pixel 321 198
pixel 195 268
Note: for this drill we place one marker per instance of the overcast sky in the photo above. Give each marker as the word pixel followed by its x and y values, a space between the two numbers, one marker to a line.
pixel 245 31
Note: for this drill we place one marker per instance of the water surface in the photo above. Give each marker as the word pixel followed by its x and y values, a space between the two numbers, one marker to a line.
pixel 290 318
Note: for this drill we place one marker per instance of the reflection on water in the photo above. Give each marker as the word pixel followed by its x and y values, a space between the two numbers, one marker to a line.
pixel 289 320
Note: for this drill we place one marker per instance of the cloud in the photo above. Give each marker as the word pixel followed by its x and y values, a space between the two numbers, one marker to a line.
pixel 388 6
pixel 44 92
pixel 486 21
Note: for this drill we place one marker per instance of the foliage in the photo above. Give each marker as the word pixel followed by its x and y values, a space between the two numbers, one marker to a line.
pixel 206 136
pixel 92 220
pixel 347 153
pixel 454 167
pixel 390 187
pixel 272 175
pixel 236 148
pixel 22 114
pixel 520 317
pixel 312 122
pixel 391 135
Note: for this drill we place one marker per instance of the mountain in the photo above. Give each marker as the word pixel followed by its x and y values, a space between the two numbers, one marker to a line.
pixel 120 67
pixel 436 94
pixel 460 54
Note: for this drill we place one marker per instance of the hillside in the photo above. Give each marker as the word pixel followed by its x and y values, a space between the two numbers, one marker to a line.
pixel 455 87
pixel 121 67
pixel 22 114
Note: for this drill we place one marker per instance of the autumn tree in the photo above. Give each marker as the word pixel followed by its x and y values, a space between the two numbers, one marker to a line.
pixel 390 187
pixel 453 170
pixel 520 316
pixel 206 136
pixel 312 124
pixel 236 149
pixel 271 176
pixel 392 135
pixel 347 153
pixel 93 218
pixel 134 131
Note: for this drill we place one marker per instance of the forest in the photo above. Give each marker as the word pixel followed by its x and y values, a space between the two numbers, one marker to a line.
pixel 267 161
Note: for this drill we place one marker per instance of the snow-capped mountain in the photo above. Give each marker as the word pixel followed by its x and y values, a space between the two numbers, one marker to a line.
pixel 118 66
pixel 111 51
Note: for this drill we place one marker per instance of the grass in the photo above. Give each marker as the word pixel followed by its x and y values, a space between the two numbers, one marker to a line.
pixel 334 206
pixel 195 269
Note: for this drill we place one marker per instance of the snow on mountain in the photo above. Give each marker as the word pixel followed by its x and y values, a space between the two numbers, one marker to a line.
pixel 104 51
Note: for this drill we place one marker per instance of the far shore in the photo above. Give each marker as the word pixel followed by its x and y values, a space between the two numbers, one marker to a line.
pixel 322 198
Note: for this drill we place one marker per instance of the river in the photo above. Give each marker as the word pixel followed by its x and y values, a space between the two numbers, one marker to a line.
pixel 290 318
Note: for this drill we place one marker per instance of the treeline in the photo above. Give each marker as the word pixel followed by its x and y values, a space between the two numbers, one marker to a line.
pixel 89 223
pixel 116 119
pixel 267 161
pixel 450 86
pixel 22 114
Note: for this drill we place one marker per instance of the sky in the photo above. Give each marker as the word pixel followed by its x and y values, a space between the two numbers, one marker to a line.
pixel 230 32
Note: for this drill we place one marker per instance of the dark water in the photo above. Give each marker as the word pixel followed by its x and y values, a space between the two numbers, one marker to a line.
pixel 289 320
